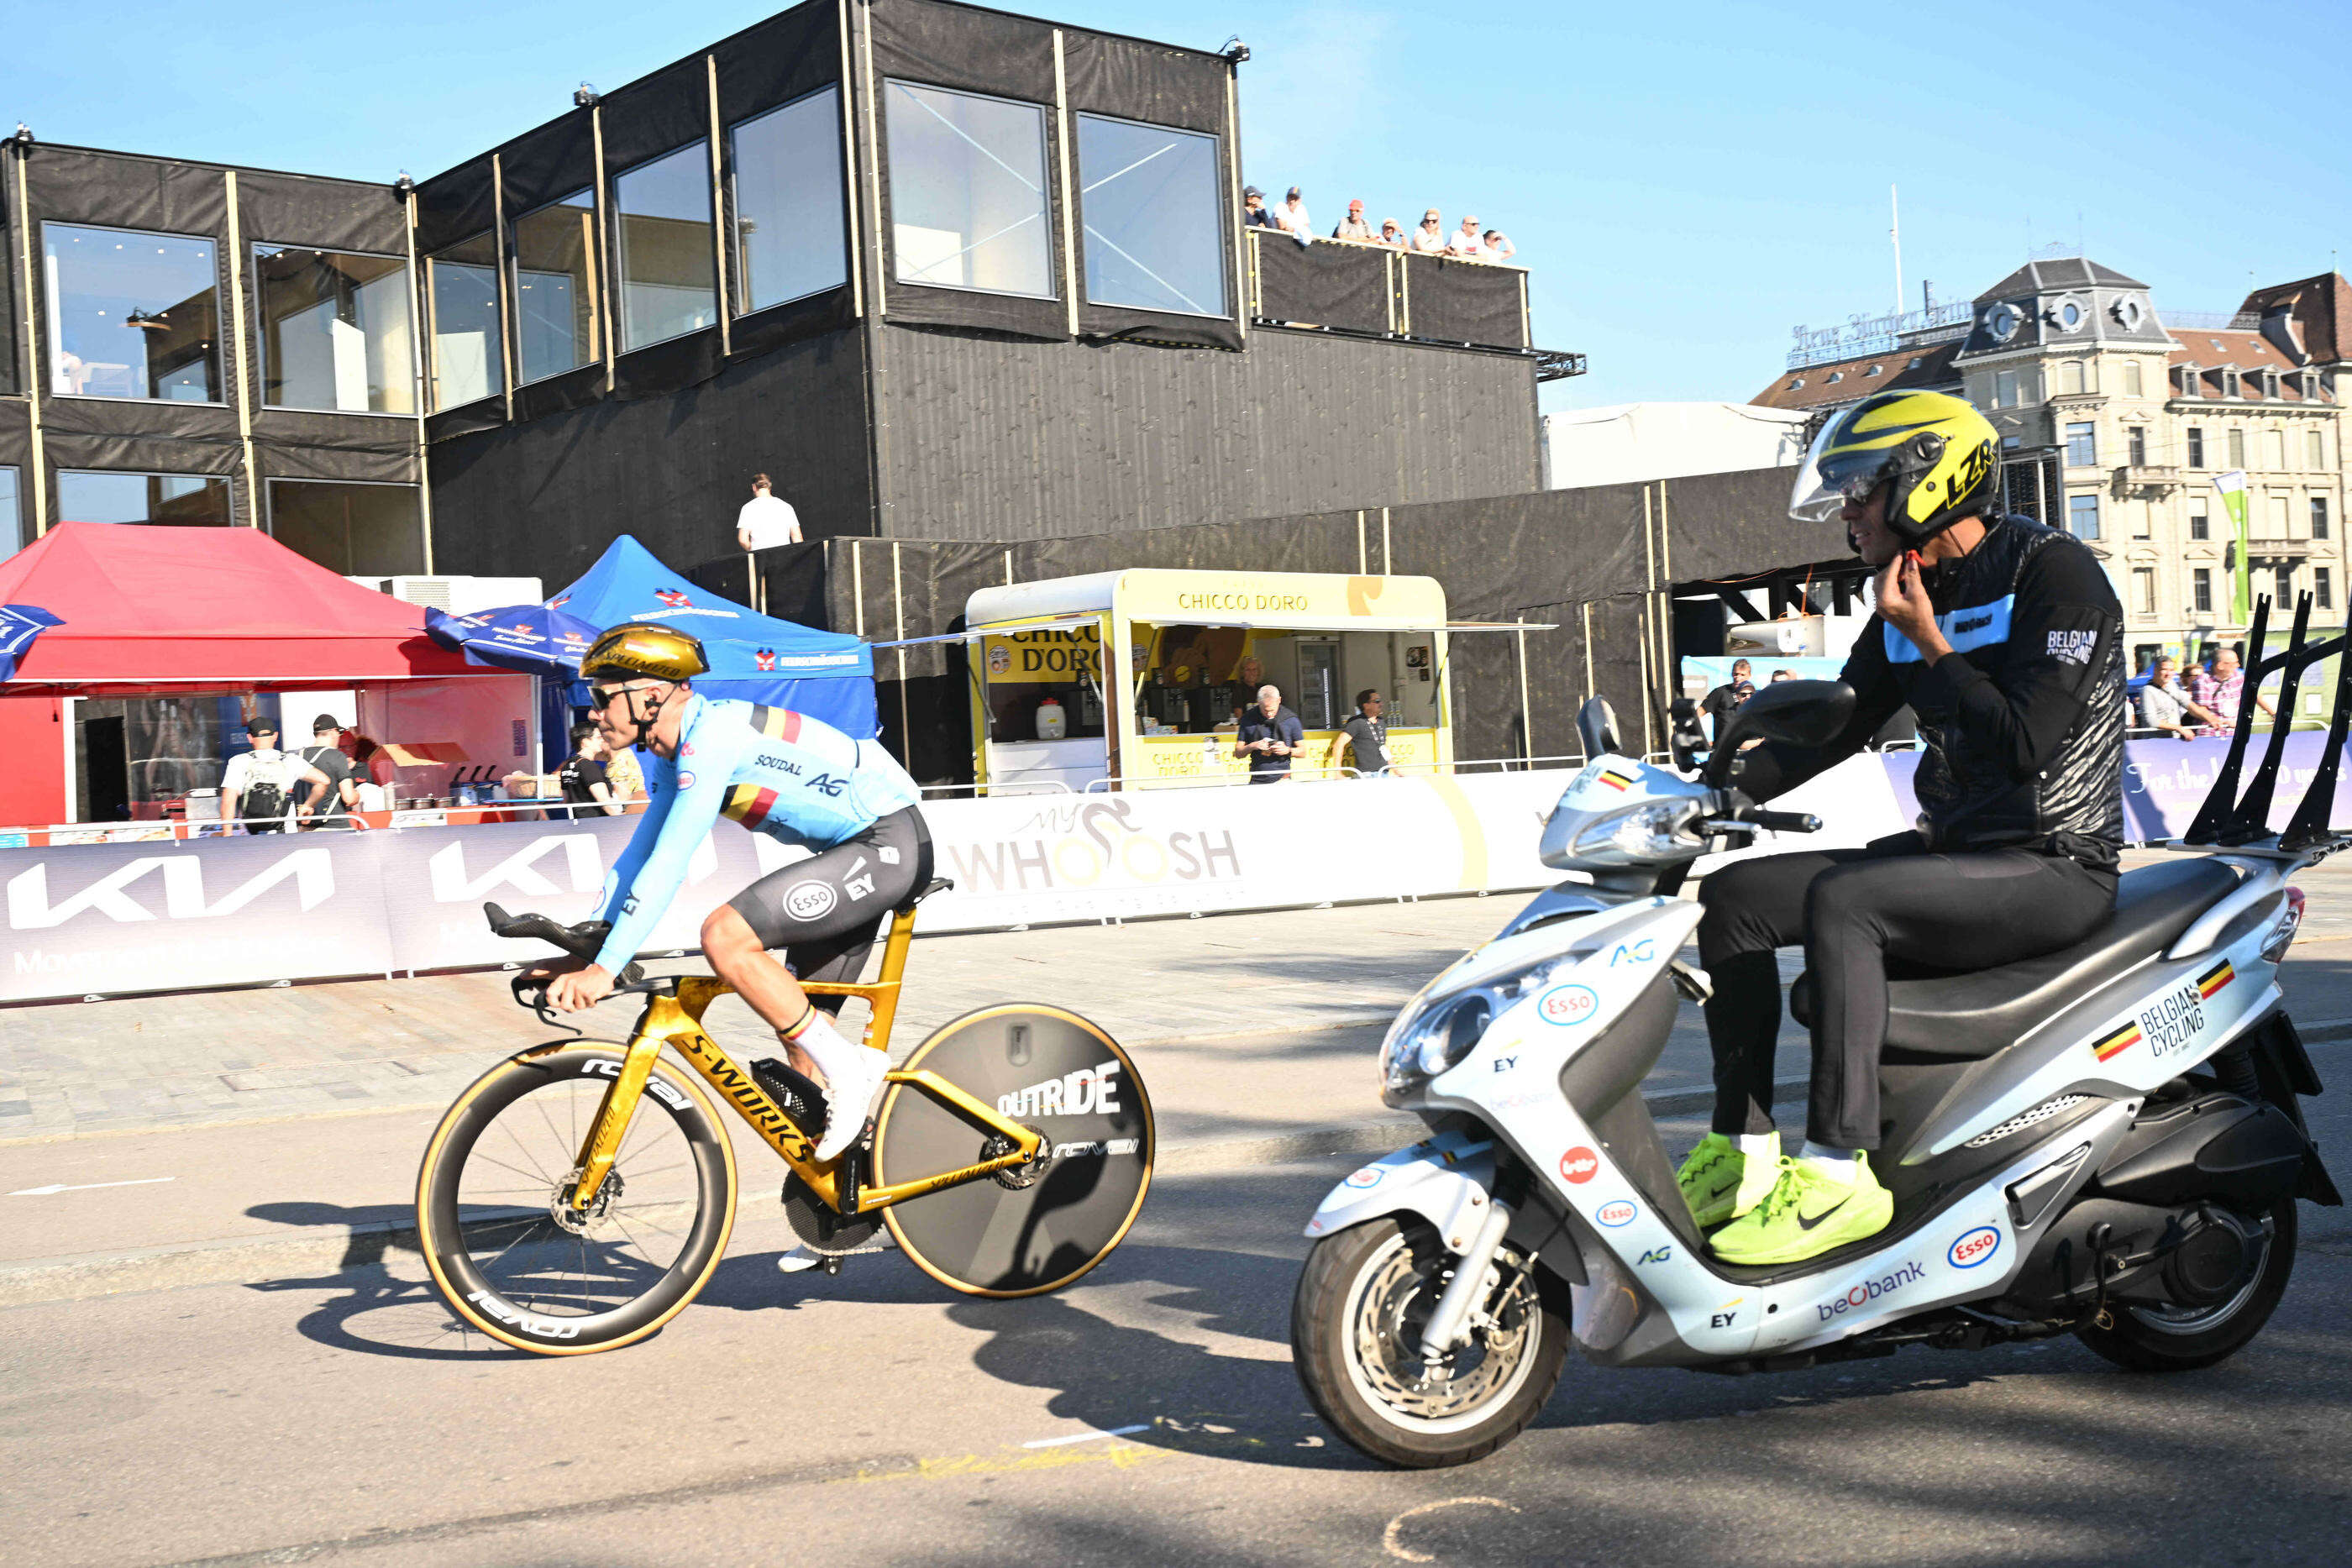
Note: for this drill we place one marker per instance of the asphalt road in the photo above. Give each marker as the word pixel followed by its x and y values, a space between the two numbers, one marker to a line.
pixel 878 1418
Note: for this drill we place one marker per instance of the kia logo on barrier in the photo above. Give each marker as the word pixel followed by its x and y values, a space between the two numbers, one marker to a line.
pixel 311 871
pixel 518 871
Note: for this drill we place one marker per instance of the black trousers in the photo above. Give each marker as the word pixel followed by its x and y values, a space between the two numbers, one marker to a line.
pixel 825 912
pixel 1854 910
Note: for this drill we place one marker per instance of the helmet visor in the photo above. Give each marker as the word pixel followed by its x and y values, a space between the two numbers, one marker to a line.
pixel 1829 480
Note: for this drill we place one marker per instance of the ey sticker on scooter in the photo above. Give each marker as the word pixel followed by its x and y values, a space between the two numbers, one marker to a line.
pixel 1568 1004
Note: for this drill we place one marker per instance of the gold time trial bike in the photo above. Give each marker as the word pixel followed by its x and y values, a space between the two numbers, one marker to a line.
pixel 581 1193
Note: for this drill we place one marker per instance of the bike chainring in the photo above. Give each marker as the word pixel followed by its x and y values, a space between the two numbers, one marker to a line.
pixel 823 1230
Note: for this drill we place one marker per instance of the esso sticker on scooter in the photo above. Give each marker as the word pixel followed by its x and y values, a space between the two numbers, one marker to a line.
pixel 1568 1004
pixel 1615 1213
pixel 1975 1247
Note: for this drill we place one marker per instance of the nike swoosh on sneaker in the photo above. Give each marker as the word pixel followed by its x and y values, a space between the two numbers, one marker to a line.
pixel 1808 1223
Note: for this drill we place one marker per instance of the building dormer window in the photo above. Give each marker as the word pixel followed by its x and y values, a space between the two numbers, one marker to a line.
pixel 1795 384
pixel 2232 383
pixel 2188 385
pixel 2270 383
pixel 2307 383
pixel 1873 369
pixel 1835 377
pixel 1917 361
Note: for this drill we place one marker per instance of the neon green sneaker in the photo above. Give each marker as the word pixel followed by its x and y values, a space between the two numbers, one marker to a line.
pixel 1808 1213
pixel 1719 1183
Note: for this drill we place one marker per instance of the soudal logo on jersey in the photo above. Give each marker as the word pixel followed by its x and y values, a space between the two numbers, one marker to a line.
pixel 1086 1090
pixel 673 598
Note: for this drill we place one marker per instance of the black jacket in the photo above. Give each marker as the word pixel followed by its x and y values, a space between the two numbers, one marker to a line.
pixel 2022 727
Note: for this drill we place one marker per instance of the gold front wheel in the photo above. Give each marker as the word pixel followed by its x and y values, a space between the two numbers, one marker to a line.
pixel 1034 1227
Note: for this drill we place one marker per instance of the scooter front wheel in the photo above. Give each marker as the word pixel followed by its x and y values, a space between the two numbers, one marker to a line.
pixel 1355 1332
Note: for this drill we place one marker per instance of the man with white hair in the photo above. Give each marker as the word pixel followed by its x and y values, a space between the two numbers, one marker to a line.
pixel 1269 735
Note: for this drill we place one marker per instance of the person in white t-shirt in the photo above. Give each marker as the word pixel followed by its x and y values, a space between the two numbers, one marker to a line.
pixel 262 783
pixel 1468 240
pixel 1429 239
pixel 766 522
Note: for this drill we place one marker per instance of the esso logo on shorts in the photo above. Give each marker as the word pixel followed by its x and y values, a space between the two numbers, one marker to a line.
pixel 1974 1248
pixel 1578 1166
pixel 809 900
pixel 1568 1004
pixel 1614 1213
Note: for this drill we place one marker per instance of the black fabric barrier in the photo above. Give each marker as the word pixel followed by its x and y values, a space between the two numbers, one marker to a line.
pixel 763 331
pixel 1724 525
pixel 455 206
pixel 16 451
pixel 554 394
pixel 963 47
pixel 1341 286
pixel 548 163
pixel 321 214
pixel 1463 302
pixel 669 367
pixel 1110 324
pixel 657 115
pixel 471 419
pixel 1133 80
pixel 778 60
pixel 914 305
pixel 323 446
pixel 71 184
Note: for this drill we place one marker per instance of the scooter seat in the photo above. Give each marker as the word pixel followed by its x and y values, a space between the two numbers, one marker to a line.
pixel 1969 1014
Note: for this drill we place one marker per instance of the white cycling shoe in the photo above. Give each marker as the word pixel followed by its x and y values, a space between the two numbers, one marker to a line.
pixel 851 1077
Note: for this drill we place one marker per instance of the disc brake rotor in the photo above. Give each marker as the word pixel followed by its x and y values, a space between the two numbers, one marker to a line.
pixel 582 1221
pixel 1385 1331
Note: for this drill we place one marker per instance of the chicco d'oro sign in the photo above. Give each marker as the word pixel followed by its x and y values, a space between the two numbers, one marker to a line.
pixel 1568 1004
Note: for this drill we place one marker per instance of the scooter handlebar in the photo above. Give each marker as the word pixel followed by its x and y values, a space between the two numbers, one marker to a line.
pixel 1782 822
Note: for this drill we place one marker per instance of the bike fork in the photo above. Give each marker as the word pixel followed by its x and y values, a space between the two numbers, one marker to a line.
pixel 610 1126
pixel 1451 1317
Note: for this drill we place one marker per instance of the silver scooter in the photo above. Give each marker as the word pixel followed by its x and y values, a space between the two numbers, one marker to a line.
pixel 2107 1141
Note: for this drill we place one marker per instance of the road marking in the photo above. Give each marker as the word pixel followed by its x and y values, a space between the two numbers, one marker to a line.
pixel 57 1187
pixel 1120 1456
pixel 1087 1436
pixel 1394 1548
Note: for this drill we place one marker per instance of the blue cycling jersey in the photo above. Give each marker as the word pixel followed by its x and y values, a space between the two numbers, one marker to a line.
pixel 795 779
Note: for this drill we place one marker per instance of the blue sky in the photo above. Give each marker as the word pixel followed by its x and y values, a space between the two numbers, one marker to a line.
pixel 1686 182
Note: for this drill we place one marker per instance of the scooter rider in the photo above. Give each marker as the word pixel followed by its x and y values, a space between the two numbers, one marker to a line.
pixel 775 771
pixel 2003 636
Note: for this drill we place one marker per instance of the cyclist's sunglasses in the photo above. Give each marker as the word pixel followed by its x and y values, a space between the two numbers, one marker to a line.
pixel 600 697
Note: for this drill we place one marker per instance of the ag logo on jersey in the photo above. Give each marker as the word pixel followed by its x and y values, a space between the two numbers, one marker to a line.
pixel 809 900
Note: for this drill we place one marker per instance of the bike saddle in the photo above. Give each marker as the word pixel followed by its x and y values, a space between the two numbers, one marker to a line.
pixel 1975 1013
pixel 937 885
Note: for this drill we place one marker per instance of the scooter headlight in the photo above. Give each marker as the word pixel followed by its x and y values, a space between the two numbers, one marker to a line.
pixel 1434 1032
pixel 1640 834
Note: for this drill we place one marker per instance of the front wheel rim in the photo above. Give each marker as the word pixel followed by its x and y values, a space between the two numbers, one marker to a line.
pixel 1387 1303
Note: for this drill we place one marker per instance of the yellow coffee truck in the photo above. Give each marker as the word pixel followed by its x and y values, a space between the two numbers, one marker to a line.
pixel 1134 679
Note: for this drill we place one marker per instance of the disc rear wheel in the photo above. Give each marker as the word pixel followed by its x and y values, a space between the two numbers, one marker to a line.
pixel 1031 1227
pixel 517 1258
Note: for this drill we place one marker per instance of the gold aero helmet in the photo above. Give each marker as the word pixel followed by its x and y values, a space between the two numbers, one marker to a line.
pixel 646 650
pixel 1937 450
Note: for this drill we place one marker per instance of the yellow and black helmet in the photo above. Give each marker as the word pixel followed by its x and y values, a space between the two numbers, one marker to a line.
pixel 1939 454
pixel 646 649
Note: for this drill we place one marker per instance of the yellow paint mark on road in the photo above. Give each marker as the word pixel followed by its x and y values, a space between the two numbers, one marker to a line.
pixel 1118 1456
pixel 1392 1543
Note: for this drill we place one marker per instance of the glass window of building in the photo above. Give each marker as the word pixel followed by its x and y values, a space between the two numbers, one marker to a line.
pixel 2318 517
pixel 91 496
pixel 2136 443
pixel 2144 590
pixel 359 530
pixel 2132 383
pixel 2237 447
pixel 1153 237
pixel 2196 447
pixel 12 512
pixel 2004 390
pixel 2315 448
pixel 2201 589
pixel 791 227
pixel 669 274
pixel 132 315
pixel 2279 511
pixel 335 331
pixel 2082 444
pixel 2201 523
pixel 555 289
pixel 2323 587
pixel 2069 376
pixel 2082 517
pixel 469 361
pixel 968 204
pixel 2282 582
pixel 2274 449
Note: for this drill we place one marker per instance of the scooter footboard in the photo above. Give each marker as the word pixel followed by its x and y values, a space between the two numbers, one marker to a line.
pixel 1448 1180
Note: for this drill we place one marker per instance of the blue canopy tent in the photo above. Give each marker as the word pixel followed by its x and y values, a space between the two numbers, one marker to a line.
pixel 828 675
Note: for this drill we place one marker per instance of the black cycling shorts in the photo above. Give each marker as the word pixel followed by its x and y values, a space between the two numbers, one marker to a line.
pixel 825 912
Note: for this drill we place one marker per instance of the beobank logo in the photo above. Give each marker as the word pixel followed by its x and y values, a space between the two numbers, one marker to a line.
pixel 1975 1247
pixel 1579 1165
pixel 1568 1004
pixel 1869 1291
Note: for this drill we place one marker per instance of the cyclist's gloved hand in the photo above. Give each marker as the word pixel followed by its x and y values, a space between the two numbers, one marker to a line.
pixel 580 988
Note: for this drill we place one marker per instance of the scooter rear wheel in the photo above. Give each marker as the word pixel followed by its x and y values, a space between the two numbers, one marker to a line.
pixel 2181 1339
pixel 1355 1330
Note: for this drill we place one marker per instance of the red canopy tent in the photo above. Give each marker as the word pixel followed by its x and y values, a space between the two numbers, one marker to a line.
pixel 153 611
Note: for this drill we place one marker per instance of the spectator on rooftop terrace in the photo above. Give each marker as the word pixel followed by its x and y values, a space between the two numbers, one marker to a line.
pixel 1392 233
pixel 1292 217
pixel 1429 237
pixel 1467 240
pixel 1254 214
pixel 1353 225
pixel 1499 247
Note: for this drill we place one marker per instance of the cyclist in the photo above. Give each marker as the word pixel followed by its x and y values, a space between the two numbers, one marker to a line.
pixel 777 772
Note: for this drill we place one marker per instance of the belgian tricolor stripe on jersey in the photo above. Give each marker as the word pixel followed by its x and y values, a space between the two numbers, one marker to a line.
pixel 2214 978
pixel 775 723
pixel 2122 1040
pixel 1614 779
pixel 749 804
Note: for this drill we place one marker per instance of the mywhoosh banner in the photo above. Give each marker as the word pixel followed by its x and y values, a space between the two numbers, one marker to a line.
pixel 92 920
pixel 89 920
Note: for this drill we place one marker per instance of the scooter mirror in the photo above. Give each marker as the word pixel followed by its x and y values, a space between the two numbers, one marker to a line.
pixel 1794 713
pixel 1685 737
pixel 1596 723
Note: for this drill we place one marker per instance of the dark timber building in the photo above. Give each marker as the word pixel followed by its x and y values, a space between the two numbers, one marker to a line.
pixel 945 273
